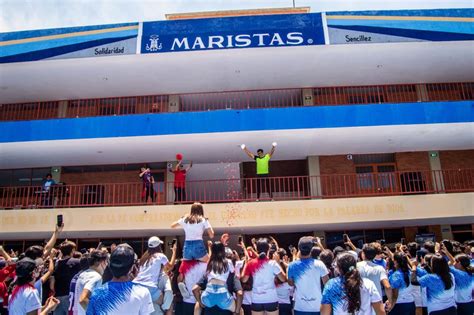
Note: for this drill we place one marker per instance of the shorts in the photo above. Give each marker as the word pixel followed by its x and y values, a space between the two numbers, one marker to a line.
pixel 285 309
pixel 217 295
pixel 264 307
pixel 449 311
pixel 194 250
pixel 306 313
pixel 403 309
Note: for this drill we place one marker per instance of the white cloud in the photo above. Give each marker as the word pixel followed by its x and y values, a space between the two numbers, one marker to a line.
pixel 40 14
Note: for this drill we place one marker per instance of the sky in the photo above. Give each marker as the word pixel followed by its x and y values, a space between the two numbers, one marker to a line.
pixel 16 15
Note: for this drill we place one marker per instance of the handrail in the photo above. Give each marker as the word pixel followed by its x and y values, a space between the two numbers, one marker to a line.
pixel 250 99
pixel 240 189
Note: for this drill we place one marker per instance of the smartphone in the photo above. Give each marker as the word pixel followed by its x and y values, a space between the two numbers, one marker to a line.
pixel 382 242
pixel 291 248
pixel 345 238
pixel 402 240
pixel 99 246
pixel 172 243
pixel 241 239
pixel 59 220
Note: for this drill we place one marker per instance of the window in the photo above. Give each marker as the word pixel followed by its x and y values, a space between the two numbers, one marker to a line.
pixel 462 232
pixel 375 172
pixel 393 235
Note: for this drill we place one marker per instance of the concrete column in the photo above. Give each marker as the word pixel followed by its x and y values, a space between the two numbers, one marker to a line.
pixel 436 174
pixel 446 232
pixel 62 109
pixel 308 97
pixel 422 93
pixel 314 176
pixel 169 184
pixel 173 103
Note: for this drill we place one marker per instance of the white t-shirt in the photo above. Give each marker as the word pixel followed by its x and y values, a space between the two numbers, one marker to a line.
pixel 464 285
pixel 192 276
pixel 438 297
pixel 150 272
pixel 24 299
pixel 222 276
pixel 335 295
pixel 405 293
pixel 120 298
pixel 239 264
pixel 306 274
pixel 284 292
pixel 90 280
pixel 263 272
pixel 193 232
pixel 373 272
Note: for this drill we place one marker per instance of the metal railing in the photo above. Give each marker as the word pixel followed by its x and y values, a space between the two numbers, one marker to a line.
pixel 276 98
pixel 238 190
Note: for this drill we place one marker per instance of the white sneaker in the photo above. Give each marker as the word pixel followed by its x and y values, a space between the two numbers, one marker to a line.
pixel 184 291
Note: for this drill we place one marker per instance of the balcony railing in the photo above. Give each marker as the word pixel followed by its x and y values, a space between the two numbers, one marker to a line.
pixel 194 102
pixel 239 190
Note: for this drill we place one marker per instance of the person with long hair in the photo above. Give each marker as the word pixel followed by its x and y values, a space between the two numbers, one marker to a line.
pixel 306 275
pixel 25 298
pixel 439 286
pixel 263 271
pixel 152 264
pixel 284 290
pixel 216 293
pixel 349 293
pixel 464 279
pixel 194 225
pixel 399 278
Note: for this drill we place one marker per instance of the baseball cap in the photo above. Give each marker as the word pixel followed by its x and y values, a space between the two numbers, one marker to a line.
pixel 121 260
pixel 25 267
pixel 305 245
pixel 154 242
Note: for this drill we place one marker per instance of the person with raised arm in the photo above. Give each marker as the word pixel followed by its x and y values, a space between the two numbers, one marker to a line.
pixel 180 173
pixel 262 161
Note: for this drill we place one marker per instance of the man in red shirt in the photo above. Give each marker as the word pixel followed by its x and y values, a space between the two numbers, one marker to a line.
pixel 180 181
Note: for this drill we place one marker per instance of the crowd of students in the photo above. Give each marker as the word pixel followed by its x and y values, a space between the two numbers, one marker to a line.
pixel 212 278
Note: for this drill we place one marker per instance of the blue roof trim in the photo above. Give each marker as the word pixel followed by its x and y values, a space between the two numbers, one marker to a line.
pixel 465 12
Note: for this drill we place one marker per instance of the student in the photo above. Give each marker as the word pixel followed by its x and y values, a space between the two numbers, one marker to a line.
pixel 46 185
pixel 263 272
pixel 148 181
pixel 349 293
pixel 439 286
pixel 262 161
pixel 284 290
pixel 306 274
pixel 217 272
pixel 25 298
pixel 120 295
pixel 152 264
pixel 180 173
pixel 464 279
pixel 377 274
pixel 402 290
pixel 84 265
pixel 89 280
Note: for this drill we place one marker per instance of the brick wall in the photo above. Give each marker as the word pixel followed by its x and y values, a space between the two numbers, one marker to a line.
pixel 100 177
pixel 456 159
pixel 337 185
pixel 412 161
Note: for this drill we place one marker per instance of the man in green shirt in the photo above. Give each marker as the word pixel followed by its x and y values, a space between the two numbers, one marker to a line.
pixel 263 171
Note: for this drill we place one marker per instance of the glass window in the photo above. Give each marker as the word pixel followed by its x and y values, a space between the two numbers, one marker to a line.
pixel 22 177
pixel 373 235
pixel 6 178
pixel 38 174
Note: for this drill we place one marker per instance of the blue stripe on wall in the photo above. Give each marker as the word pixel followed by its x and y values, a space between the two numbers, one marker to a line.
pixel 56 51
pixel 57 31
pixel 424 35
pixel 236 120
pixel 465 12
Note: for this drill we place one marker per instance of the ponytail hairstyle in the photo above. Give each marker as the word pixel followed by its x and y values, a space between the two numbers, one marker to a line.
pixel 465 262
pixel 262 248
pixel 440 267
pixel 346 263
pixel 402 262
pixel 218 261
pixel 196 215
pixel 148 255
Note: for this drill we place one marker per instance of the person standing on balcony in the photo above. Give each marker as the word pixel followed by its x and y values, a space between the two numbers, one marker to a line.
pixel 46 190
pixel 148 180
pixel 262 161
pixel 180 180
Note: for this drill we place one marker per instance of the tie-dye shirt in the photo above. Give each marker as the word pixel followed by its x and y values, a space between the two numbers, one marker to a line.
pixel 438 298
pixel 464 285
pixel 23 300
pixel 397 281
pixel 263 272
pixel 193 271
pixel 335 295
pixel 306 275
pixel 120 298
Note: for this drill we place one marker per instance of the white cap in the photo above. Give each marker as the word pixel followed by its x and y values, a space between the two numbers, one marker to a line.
pixel 154 242
pixel 274 144
pixel 242 146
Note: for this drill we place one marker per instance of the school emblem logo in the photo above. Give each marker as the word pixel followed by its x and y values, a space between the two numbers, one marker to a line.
pixel 155 44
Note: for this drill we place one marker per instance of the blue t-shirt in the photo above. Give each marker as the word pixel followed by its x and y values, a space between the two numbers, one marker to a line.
pixel 405 292
pixel 380 262
pixel 464 285
pixel 438 297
